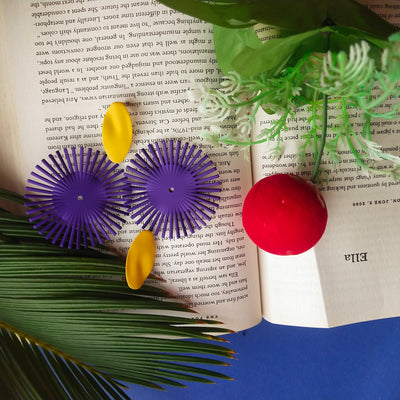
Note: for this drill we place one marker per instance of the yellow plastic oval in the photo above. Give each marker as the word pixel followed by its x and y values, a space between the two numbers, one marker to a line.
pixel 117 132
pixel 140 259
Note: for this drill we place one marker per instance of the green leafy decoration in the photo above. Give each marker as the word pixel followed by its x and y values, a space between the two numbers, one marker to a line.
pixel 273 56
pixel 228 46
pixel 72 311
pixel 240 50
pixel 289 15
pixel 30 371
pixel 306 66
pixel 348 82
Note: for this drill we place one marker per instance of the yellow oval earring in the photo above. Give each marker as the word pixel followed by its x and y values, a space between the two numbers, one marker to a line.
pixel 140 259
pixel 117 132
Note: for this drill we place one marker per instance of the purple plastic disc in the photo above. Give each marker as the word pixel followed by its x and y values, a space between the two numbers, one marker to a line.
pixel 172 188
pixel 77 200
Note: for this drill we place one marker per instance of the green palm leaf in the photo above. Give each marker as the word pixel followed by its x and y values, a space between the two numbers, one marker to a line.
pixel 29 371
pixel 73 311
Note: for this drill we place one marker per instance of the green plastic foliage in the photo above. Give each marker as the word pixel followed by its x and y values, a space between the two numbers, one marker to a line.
pixel 229 43
pixel 250 59
pixel 279 75
pixel 394 61
pixel 273 55
pixel 305 27
pixel 230 14
pixel 290 15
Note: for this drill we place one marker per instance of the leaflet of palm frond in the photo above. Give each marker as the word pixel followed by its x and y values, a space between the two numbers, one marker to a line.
pixel 29 371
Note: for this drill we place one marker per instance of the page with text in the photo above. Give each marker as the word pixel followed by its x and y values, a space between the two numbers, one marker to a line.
pixel 351 275
pixel 71 60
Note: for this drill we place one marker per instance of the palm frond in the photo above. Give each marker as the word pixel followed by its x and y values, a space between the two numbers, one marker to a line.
pixel 29 371
pixel 73 310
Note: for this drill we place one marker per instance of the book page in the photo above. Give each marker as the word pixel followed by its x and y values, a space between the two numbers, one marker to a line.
pixel 351 275
pixel 290 285
pixel 72 59
pixel 10 143
pixel 361 281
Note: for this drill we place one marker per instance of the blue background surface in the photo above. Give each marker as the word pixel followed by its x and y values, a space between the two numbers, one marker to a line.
pixel 353 362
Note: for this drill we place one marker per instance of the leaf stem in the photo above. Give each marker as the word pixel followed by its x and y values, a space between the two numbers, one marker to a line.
pixel 323 137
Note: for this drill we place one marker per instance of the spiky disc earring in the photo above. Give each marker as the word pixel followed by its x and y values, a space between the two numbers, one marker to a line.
pixel 77 200
pixel 172 188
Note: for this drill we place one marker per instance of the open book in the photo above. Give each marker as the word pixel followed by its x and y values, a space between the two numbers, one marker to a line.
pixel 64 62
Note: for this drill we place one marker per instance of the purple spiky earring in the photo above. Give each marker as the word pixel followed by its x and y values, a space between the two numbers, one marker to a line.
pixel 77 200
pixel 172 188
